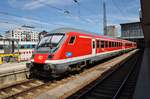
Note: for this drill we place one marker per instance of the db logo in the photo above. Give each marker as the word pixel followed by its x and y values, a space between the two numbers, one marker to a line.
pixel 40 57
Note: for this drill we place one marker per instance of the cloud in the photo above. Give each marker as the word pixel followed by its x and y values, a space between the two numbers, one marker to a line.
pixel 40 3
pixel 29 20
pixel 39 24
pixel 118 18
pixel 81 19
pixel 7 26
pixel 14 21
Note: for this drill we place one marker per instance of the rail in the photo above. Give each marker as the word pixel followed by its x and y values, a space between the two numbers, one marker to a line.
pixel 111 85
pixel 31 89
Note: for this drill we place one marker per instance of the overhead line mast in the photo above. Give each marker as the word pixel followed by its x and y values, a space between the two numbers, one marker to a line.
pixel 104 18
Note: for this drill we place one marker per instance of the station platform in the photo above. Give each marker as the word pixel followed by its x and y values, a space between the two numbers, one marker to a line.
pixel 9 67
pixel 142 90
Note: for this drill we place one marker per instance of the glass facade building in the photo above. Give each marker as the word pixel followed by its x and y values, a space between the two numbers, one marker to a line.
pixel 131 30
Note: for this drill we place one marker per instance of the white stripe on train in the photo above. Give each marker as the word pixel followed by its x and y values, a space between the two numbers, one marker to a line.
pixel 61 61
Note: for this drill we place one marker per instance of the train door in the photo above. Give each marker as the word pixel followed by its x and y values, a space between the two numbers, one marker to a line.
pixel 93 47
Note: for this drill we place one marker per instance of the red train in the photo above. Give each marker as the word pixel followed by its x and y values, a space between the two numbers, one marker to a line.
pixel 68 49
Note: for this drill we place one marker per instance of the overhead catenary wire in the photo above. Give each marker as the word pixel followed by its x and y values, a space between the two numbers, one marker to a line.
pixel 19 24
pixel 18 16
pixel 83 7
pixel 14 25
pixel 67 12
pixel 77 2
pixel 51 6
pixel 80 6
pixel 15 15
pixel 119 9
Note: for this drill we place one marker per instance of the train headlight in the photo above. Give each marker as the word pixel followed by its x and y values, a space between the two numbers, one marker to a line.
pixel 46 67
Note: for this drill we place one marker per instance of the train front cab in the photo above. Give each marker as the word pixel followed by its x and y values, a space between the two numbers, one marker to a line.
pixel 44 52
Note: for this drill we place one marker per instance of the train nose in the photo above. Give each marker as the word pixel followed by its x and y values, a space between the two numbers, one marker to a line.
pixel 40 58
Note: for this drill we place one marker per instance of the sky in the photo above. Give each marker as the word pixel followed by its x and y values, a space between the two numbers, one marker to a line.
pixel 52 14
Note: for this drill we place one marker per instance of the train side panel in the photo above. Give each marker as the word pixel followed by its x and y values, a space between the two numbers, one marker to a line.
pixel 81 46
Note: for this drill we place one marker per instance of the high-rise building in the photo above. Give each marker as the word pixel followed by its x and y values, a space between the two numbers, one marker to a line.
pixel 23 33
pixel 111 31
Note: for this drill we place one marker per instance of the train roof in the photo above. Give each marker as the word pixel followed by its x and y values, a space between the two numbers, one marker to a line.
pixel 68 29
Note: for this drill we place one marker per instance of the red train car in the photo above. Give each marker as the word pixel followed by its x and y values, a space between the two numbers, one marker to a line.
pixel 68 49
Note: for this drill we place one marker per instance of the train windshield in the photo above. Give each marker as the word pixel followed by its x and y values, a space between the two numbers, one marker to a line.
pixel 50 41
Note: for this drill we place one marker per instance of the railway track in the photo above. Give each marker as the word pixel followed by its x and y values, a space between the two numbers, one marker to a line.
pixel 27 89
pixel 117 84
pixel 11 91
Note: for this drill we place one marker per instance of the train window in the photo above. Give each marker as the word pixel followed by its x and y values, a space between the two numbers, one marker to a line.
pixel 109 44
pixel 72 39
pixel 33 46
pixel 56 39
pixel 93 44
pixel 106 43
pixel 51 40
pixel 28 46
pixel 112 44
pixel 25 46
pixel 98 44
pixel 117 44
pixel 1 47
pixel 19 46
pixel 22 46
pixel 102 44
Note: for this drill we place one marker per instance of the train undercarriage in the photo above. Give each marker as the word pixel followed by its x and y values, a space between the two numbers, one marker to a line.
pixel 49 70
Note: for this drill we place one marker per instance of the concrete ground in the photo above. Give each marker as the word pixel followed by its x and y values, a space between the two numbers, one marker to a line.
pixel 142 90
pixel 8 67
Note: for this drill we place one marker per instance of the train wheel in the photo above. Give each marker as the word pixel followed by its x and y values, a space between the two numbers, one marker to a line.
pixel 31 76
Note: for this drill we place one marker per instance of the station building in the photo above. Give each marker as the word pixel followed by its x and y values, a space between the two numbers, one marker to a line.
pixel 23 33
pixel 133 32
pixel 111 31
